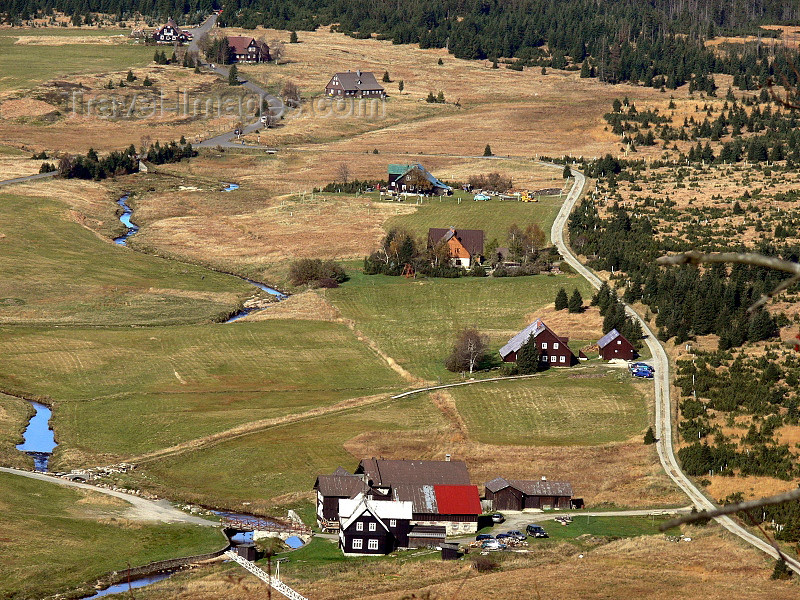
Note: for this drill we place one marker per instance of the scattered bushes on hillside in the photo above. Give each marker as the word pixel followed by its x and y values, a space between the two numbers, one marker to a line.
pixel 317 273
pixel 124 162
pixel 493 181
pixel 351 187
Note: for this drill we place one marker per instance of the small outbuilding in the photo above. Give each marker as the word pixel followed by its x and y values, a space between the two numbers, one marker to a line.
pixel 450 551
pixel 522 494
pixel 615 345
pixel 427 536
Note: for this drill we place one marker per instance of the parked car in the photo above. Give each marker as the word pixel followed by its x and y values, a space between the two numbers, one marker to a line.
pixel 502 536
pixel 646 373
pixel 493 545
pixel 517 535
pixel 640 365
pixel 536 531
pixel 498 518
pixel 481 197
pixel 483 537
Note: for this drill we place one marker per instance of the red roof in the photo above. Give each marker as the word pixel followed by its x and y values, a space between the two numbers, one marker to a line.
pixel 457 499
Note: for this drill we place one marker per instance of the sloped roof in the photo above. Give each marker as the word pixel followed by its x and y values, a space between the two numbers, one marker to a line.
pixel 471 239
pixel 170 23
pixel 341 471
pixel 352 509
pixel 516 342
pixel 342 486
pixel 431 472
pixel 422 497
pixel 428 531
pixel 395 170
pixel 496 484
pixel 458 499
pixel 353 81
pixel 610 337
pixel 399 169
pixel 540 487
pixel 239 43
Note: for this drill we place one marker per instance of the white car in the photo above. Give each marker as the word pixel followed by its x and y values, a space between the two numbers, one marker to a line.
pixel 492 545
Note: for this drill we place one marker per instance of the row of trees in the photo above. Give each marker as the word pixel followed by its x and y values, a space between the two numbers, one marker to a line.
pixel 573 304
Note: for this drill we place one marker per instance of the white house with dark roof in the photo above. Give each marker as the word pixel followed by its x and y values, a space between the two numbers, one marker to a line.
pixel 370 526
pixel 355 84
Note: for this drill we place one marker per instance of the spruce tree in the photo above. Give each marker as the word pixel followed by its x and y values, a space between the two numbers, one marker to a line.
pixel 488 151
pixel 130 77
pixel 528 357
pixel 233 75
pixel 567 172
pixel 561 299
pixel 386 77
pixel 293 38
pixel 575 302
pixel 649 437
pixel 781 570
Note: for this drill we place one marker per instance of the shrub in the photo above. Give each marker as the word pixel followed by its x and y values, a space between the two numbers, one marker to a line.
pixel 484 564
pixel 314 270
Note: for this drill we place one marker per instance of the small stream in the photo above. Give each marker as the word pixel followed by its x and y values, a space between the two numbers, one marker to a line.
pixel 119 588
pixel 125 218
pixel 39 438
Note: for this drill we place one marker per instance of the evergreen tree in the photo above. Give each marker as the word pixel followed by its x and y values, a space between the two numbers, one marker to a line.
pixel 528 357
pixel 575 302
pixel 293 38
pixel 567 172
pixel 649 437
pixel 386 77
pixel 585 72
pixel 488 151
pixel 431 99
pixel 440 97
pixel 561 299
pixel 400 85
pixel 147 82
pixel 233 75
pixel 130 77
pixel 781 570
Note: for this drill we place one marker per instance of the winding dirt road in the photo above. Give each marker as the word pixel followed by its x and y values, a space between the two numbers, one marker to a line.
pixel 664 447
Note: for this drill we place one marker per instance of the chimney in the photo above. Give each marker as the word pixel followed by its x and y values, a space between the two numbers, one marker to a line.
pixel 447 458
pixel 358 72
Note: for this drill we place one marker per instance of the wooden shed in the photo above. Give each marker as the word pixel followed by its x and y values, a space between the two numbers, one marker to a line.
pixel 614 345
pixel 522 494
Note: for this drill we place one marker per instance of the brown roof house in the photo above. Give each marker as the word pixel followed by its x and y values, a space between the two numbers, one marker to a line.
pixel 615 345
pixel 528 494
pixel 465 245
pixel 247 49
pixel 553 350
pixel 340 485
pixel 355 84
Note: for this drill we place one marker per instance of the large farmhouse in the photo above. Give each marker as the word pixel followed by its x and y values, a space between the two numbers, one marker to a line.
pixel 522 494
pixel 416 179
pixel 355 84
pixel 247 49
pixel 170 33
pixel 442 499
pixel 553 350
pixel 465 245
pixel 615 345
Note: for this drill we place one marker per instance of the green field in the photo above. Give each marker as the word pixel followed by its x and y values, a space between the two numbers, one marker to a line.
pixel 554 409
pixel 26 65
pixel 127 391
pixel 416 321
pixel 493 217
pixel 54 271
pixel 14 413
pixel 283 459
pixel 56 538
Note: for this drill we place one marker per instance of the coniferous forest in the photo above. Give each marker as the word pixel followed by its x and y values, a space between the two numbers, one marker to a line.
pixel 660 42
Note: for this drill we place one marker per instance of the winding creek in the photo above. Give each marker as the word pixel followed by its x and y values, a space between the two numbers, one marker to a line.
pixel 39 439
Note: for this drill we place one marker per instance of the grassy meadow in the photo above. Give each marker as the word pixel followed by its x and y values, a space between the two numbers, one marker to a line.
pixel 14 413
pixel 493 217
pixel 54 271
pixel 57 538
pixel 121 392
pixel 56 56
pixel 557 408
pixel 285 459
pixel 416 321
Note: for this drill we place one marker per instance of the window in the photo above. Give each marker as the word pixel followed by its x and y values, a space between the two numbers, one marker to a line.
pixel 372 526
pixel 358 544
pixel 562 359
pixel 392 522
pixel 619 342
pixel 359 526
pixel 372 545
pixel 553 358
pixel 555 345
pixel 544 345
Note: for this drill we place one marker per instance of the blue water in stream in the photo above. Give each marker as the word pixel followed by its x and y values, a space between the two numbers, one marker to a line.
pixel 125 218
pixel 229 187
pixel 136 583
pixel 39 438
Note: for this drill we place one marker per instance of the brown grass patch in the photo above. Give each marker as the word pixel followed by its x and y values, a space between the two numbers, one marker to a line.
pixel 62 40
pixel 305 306
pixel 751 487
pixel 25 107
pixel 587 325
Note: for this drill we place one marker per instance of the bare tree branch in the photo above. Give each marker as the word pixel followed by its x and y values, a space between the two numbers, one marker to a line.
pixel 731 508
pixel 693 257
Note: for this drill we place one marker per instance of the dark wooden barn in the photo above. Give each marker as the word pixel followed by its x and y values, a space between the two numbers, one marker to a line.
pixel 615 345
pixel 521 494
pixel 553 350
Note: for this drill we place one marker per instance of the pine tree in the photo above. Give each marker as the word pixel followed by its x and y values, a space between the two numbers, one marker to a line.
pixel 488 151
pixel 147 82
pixel 649 437
pixel 528 357
pixel 561 299
pixel 440 97
pixel 431 99
pixel 233 75
pixel 585 71
pixel 567 172
pixel 781 570
pixel 575 302
pixel 130 77
pixel 440 62
pixel 293 38
pixel 400 85
pixel 386 77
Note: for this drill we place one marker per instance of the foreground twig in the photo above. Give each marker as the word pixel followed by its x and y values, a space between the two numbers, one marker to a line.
pixel 694 257
pixel 731 508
